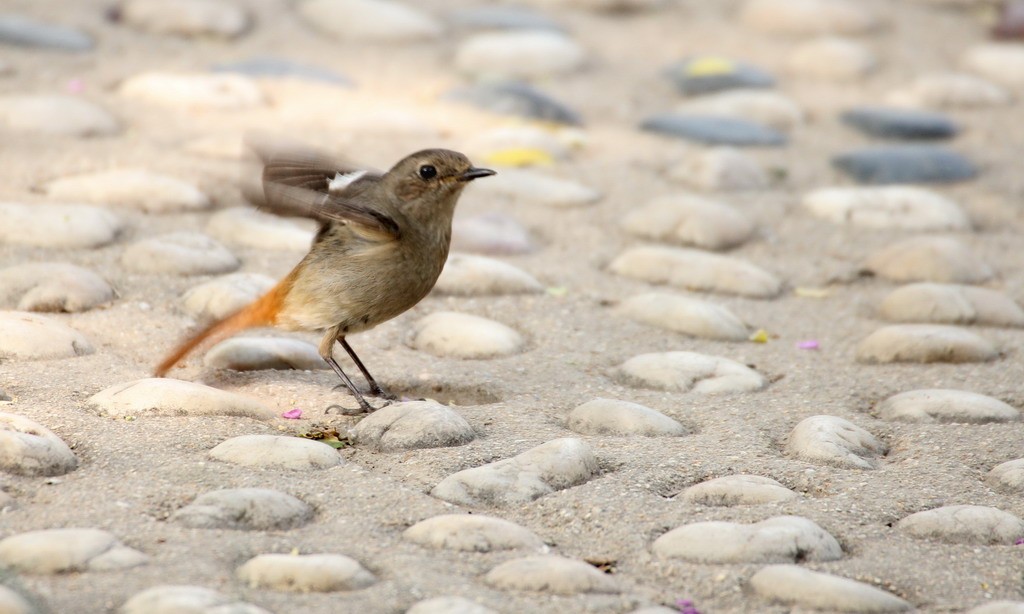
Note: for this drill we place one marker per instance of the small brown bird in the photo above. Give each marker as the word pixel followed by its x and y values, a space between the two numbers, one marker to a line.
pixel 382 243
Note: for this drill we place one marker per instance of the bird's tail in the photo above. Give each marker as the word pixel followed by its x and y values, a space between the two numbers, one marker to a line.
pixel 261 312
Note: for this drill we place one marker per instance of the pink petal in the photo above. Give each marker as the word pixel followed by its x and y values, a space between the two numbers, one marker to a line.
pixel 292 414
pixel 808 345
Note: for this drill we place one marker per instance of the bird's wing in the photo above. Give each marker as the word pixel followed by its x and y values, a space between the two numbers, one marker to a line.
pixel 372 223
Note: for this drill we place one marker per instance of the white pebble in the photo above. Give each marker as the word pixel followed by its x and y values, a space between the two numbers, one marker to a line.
pixel 725 169
pixel 832 59
pixel 449 605
pixel 1008 476
pixel 964 524
pixel 688 372
pixel 54 551
pixel 900 207
pixel 485 144
pixel 471 533
pixel 950 304
pixel 413 425
pixel 220 91
pixel 519 54
pixel 929 406
pixel 794 585
pixel 831 440
pixel 696 270
pixel 57 226
pixel 1000 62
pixel 27 336
pixel 276 451
pixel 220 297
pixel 460 335
pixel 179 253
pixel 535 187
pixel 193 18
pixel 378 21
pixel 689 220
pixel 244 509
pixel 56 115
pixel 13 603
pixel 490 233
pixel 804 17
pixel 762 106
pixel 251 228
pixel 28 448
pixel 550 574
pixel 738 489
pixel 469 275
pixel 614 417
pixel 940 259
pixel 52 287
pixel 183 599
pixel 135 188
pixel 690 316
pixel 171 397
pixel 258 353
pixel 782 539
pixel 924 343
pixel 950 91
pixel 317 573
pixel 998 607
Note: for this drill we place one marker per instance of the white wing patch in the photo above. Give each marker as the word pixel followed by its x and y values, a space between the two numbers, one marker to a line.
pixel 343 180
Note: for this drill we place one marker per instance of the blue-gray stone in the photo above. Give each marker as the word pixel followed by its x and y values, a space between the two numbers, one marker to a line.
pixel 708 74
pixel 25 32
pixel 515 98
pixel 893 123
pixel 502 18
pixel 713 130
pixel 269 66
pixel 905 164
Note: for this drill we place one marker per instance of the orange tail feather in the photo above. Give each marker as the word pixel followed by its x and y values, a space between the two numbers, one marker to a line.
pixel 261 312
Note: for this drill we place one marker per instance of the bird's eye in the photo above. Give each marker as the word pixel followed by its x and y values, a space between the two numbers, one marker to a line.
pixel 427 172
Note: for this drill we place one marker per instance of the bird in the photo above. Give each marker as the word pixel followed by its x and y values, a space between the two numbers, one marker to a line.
pixel 382 242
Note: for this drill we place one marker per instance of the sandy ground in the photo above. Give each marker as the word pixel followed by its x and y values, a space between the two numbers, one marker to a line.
pixel 133 474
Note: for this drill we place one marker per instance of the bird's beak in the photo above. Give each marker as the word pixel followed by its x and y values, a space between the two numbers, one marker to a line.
pixel 475 173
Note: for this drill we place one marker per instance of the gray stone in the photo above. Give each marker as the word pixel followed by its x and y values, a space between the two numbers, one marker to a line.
pixel 831 58
pixel 719 169
pixel 221 91
pixel 738 489
pixel 893 123
pixel 964 524
pixel 696 270
pixel 706 74
pixel 244 509
pixel 491 233
pixel 550 574
pixel 54 551
pixel 316 573
pixel 471 533
pixel 688 372
pixel 938 259
pixel 613 417
pixel 950 304
pixel 901 207
pixel 806 17
pixel 57 226
pixel 782 539
pixel 689 316
pixel 52 287
pixel 831 440
pixel 276 451
pixel 267 66
pixel 469 275
pixel 251 228
pixel 930 406
pixel 171 397
pixel 258 353
pixel 905 164
pixel 924 343
pixel 1008 476
pixel 518 54
pixel 191 18
pixel 27 32
pixel 460 335
pixel 804 588
pixel 549 467
pixel 449 605
pixel 56 115
pixel 516 99
pixel 689 220
pixel 174 599
pixel 135 188
pixel 413 425
pixel 221 297
pixel 487 17
pixel 713 130
pixel 28 448
pixel 179 253
pixel 27 336
pixel 376 21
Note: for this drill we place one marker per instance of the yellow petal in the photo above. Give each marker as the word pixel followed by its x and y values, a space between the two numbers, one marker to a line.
pixel 519 156
pixel 711 65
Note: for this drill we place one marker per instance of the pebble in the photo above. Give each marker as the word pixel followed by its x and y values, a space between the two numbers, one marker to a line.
pixel 535 187
pixel 930 406
pixel 54 551
pixel 134 188
pixel 28 448
pixel 689 316
pixel 259 353
pixel 449 605
pixel 460 335
pixel 13 603
pixel 707 74
pixel 998 607
pixel 724 169
pixel 172 599
pixel 807 17
pixel 305 573
pixel 276 451
pixel 794 585
pixel 469 275
pixel 696 270
pixel 900 207
pixel 52 287
pixel 471 533
pixel 964 524
pixel 1000 62
pixel 549 573
pixel 547 468
pixel 689 220
pixel 515 99
pixel 935 259
pixel 949 304
pixel 1011 21
pixel 924 343
pixel 831 440
pixel 27 32
pixel 27 336
pixel 413 425
pixel 831 59
pixel 608 6
pixel 189 18
pixel 613 417
pixel 740 489
pixel 179 253
pixel 688 372
pixel 781 539
pixel 248 227
pixel 950 91
pixel 56 115
pixel 502 18
pixel 375 21
pixel 1008 475
pixel 764 107
pixel 491 233
pixel 905 164
pixel 171 397
pixel 57 226
pixel 518 54
pixel 894 123
pixel 713 130
pixel 244 509
pixel 268 66
pixel 493 143
pixel 220 297
pixel 222 91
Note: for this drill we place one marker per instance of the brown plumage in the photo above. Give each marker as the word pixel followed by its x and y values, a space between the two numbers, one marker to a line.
pixel 382 243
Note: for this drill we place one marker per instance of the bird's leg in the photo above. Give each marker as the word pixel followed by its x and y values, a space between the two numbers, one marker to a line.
pixel 327 353
pixel 375 389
